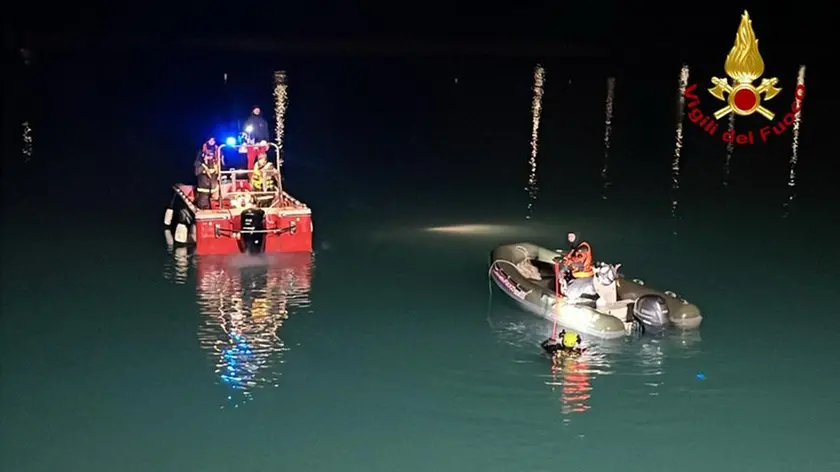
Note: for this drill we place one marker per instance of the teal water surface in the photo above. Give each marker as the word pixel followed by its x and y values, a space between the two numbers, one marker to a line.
pixel 387 349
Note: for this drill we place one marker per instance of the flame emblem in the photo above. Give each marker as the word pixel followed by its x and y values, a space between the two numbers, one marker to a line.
pixel 744 65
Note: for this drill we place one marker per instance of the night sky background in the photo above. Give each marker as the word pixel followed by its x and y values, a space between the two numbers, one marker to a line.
pixel 154 64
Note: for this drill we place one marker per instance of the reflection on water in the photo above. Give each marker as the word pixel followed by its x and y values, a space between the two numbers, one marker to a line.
pixel 536 113
pixel 177 266
pixel 605 183
pixel 730 146
pixel 26 150
pixel 27 141
pixel 650 360
pixel 492 229
pixel 574 379
pixel 794 156
pixel 281 101
pixel 675 163
pixel 243 301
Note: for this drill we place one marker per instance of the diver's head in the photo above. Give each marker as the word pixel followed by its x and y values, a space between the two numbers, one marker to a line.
pixel 571 237
pixel 256 110
pixel 211 141
pixel 569 339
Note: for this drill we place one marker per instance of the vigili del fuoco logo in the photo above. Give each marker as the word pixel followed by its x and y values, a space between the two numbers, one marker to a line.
pixel 744 66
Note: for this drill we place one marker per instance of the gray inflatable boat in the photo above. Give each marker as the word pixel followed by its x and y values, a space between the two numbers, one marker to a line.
pixel 605 305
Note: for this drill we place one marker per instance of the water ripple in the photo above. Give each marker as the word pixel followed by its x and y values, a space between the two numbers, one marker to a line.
pixel 176 268
pixel 645 358
pixel 243 302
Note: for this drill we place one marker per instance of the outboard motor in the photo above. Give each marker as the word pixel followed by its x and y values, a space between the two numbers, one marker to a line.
pixel 651 310
pixel 252 237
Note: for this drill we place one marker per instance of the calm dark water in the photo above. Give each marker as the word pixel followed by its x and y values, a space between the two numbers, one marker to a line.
pixel 386 350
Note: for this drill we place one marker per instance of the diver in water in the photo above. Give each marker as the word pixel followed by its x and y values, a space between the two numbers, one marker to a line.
pixel 567 344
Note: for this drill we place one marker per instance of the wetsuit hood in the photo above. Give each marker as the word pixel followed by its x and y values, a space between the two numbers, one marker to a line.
pixel 570 339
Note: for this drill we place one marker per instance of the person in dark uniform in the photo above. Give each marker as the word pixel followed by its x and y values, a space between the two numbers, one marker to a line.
pixel 256 128
pixel 206 172
pixel 256 136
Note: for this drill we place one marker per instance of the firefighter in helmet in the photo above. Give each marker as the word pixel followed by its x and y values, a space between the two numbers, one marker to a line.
pixel 264 177
pixel 207 174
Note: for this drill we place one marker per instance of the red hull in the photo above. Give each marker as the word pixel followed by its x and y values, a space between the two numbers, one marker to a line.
pixel 216 229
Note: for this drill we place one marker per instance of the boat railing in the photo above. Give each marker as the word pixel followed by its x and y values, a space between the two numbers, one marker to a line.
pixel 255 195
pixel 248 172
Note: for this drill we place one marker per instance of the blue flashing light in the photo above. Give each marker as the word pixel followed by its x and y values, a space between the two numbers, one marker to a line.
pixel 231 141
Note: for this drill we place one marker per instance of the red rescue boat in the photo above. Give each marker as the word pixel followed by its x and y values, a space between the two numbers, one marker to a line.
pixel 240 219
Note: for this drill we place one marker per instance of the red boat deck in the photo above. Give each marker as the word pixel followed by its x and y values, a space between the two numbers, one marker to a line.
pixel 216 229
pixel 286 223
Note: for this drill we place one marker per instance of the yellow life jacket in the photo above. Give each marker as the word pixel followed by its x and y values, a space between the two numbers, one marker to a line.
pixel 258 179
